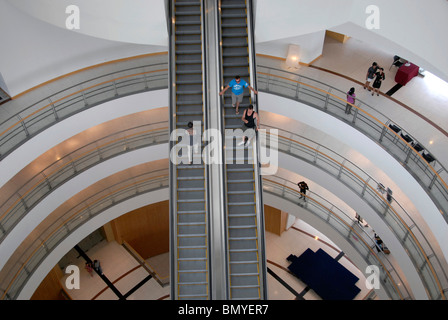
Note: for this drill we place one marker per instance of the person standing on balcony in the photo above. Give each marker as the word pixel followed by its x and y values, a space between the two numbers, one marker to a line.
pixel 350 100
pixel 370 75
pixel 303 186
pixel 237 86
pixel 379 77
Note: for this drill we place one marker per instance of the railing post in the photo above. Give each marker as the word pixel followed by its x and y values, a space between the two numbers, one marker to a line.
pixel 115 88
pixel 23 126
pixel 433 180
pixel 365 187
pixel 316 154
pixel 355 115
pixel 340 169
pixel 54 109
pixel 383 133
pixel 408 155
pixel 297 89
pixel 145 81
pixel 326 99
pixel 84 96
pixel 268 77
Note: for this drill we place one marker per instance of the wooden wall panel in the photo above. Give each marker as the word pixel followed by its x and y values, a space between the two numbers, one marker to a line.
pixel 145 229
pixel 275 220
pixel 50 288
pixel 337 36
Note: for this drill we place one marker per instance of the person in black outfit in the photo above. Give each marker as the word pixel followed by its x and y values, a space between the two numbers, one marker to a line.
pixel 303 187
pixel 379 243
pixel 249 117
pixel 379 77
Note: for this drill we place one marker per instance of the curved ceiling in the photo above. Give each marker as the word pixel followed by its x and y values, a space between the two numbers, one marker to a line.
pixel 143 22
pixel 410 28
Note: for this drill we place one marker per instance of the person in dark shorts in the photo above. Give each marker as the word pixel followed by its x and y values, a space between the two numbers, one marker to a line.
pixel 303 187
pixel 370 75
pixel 249 117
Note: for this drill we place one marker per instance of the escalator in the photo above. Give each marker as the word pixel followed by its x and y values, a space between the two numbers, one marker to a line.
pixel 244 210
pixel 189 239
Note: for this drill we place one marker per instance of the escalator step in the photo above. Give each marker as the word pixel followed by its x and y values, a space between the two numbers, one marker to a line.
pixel 196 235
pixel 193 271
pixel 244 262
pixel 241 181
pixel 243 227
pixel 187 3
pixel 232 45
pixel 233 15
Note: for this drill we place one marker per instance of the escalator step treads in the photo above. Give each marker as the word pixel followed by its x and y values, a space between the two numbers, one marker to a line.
pixel 234 25
pixel 235 64
pixel 192 259
pixel 189 103
pixel 194 235
pixel 244 262
pixel 188 51
pixel 190 223
pixel 188 42
pixel 190 178
pixel 243 250
pixel 240 203
pixel 244 274
pixel 189 72
pixel 188 13
pixel 233 15
pixel 237 44
pixel 191 212
pixel 193 271
pixel 241 215
pixel 190 200
pixel 189 113
pixel 187 23
pixel 189 92
pixel 242 238
pixel 233 6
pixel 235 35
pixel 241 192
pixel 243 227
pixel 192 283
pixel 245 286
pixel 193 189
pixel 187 3
pixel 241 181
pixel 234 54
pixel 189 62
pixel 228 74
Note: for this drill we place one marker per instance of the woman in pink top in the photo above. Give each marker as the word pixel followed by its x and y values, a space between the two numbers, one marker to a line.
pixel 351 100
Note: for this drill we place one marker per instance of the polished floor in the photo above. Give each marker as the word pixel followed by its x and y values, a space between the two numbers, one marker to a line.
pixel 423 100
pixel 124 271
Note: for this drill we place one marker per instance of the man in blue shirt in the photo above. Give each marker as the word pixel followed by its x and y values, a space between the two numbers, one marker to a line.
pixel 237 86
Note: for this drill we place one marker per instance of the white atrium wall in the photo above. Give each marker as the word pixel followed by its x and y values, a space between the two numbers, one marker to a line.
pixel 34 51
pixel 42 48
